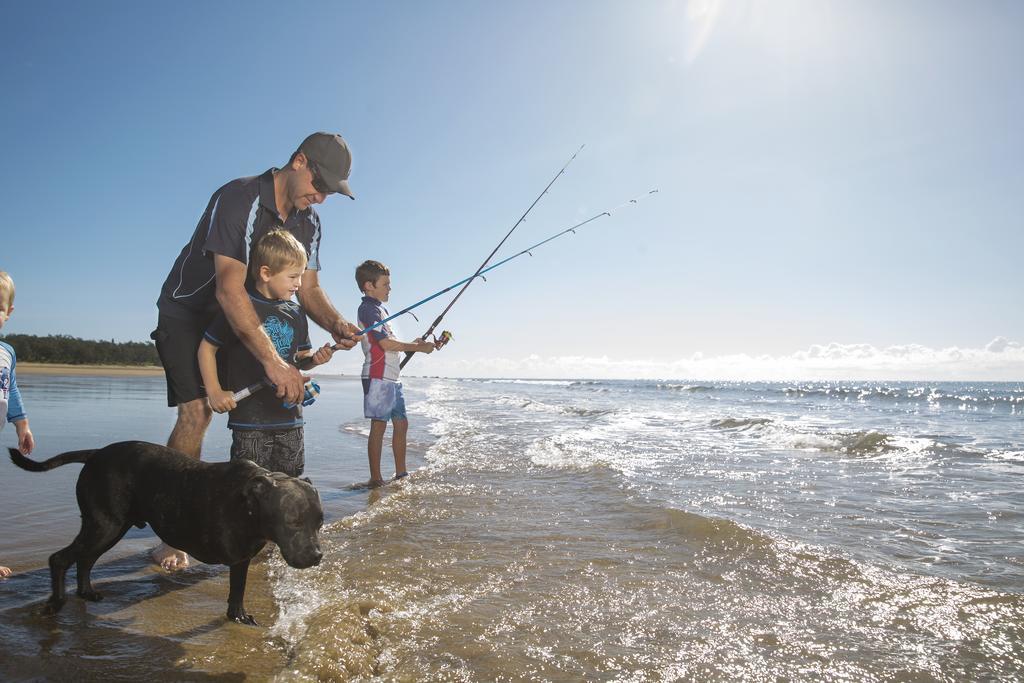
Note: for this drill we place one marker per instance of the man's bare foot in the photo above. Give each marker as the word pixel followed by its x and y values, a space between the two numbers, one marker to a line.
pixel 5 572
pixel 170 559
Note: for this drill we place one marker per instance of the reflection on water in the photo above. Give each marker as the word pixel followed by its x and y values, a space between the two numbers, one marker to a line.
pixel 580 531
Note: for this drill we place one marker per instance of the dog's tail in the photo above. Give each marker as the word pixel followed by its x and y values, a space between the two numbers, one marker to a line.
pixel 56 461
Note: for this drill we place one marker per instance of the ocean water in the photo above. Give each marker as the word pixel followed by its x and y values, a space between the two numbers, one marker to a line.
pixel 588 530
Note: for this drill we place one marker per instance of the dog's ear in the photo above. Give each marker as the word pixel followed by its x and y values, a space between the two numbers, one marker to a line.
pixel 255 489
pixel 312 485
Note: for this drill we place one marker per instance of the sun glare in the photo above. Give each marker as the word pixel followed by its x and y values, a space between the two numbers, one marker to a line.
pixel 701 17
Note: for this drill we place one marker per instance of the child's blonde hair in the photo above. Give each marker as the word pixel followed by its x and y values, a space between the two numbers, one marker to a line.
pixel 277 250
pixel 6 289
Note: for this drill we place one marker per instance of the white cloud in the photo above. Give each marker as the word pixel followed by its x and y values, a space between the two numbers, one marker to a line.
pixel 1000 360
pixel 1001 344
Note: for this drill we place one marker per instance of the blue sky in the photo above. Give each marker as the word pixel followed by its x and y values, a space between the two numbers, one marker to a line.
pixel 840 182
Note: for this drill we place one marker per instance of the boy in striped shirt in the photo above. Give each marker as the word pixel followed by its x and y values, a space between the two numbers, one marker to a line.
pixel 382 392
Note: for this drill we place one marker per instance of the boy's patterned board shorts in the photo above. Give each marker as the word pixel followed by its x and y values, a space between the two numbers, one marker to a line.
pixel 383 400
pixel 277 450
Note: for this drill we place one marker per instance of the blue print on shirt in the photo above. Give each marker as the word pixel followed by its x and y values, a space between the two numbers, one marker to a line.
pixel 281 333
pixel 5 382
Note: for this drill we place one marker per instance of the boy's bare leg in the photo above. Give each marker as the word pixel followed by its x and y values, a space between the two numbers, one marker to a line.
pixel 187 436
pixel 399 434
pixel 374 446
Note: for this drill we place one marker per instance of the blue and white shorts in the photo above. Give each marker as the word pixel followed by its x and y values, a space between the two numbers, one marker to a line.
pixel 383 400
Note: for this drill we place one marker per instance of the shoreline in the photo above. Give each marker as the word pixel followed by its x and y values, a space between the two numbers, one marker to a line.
pixel 28 368
pixel 53 369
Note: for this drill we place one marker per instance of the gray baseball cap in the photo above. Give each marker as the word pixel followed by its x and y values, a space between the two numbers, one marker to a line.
pixel 333 161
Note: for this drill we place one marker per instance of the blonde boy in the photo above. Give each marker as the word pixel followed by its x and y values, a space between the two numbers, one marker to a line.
pixel 263 429
pixel 10 397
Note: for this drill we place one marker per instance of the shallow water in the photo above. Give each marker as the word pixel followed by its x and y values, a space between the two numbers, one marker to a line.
pixel 585 530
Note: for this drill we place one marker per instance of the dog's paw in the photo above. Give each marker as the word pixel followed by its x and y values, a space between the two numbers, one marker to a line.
pixel 242 617
pixel 90 595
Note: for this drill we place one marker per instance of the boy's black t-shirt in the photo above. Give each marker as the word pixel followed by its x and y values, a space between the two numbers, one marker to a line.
pixel 285 323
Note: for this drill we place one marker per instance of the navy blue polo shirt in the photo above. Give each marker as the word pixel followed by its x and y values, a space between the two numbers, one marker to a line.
pixel 238 215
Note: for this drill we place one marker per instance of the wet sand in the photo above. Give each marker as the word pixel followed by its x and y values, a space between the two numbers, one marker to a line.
pixel 89 370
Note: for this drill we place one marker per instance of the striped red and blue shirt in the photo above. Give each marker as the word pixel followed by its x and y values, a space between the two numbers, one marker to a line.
pixel 378 363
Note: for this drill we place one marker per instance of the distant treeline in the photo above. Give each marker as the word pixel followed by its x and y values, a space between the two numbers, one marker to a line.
pixel 62 348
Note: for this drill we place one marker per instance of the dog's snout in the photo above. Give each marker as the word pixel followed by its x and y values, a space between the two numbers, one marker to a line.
pixel 304 559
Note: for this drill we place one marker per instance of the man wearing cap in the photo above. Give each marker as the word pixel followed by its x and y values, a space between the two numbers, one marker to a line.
pixel 209 275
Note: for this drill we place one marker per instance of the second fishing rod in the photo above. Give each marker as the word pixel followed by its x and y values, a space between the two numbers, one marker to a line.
pixel 468 281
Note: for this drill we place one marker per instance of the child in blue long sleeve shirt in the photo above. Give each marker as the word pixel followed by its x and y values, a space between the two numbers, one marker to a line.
pixel 10 398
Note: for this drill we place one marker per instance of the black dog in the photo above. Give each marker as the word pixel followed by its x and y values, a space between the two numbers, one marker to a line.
pixel 220 513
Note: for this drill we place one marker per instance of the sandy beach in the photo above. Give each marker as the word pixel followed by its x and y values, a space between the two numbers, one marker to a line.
pixel 89 370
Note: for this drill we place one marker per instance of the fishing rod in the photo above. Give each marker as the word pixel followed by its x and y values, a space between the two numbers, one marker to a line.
pixel 310 391
pixel 446 336
pixel 528 250
pixel 487 260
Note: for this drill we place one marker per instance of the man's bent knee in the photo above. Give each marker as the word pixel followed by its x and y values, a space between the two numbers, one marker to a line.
pixel 195 413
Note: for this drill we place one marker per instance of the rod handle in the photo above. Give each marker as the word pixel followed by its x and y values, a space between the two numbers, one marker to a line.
pixel 248 391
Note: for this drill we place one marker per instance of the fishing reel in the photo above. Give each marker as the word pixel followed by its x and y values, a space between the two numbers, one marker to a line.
pixel 442 339
pixel 312 390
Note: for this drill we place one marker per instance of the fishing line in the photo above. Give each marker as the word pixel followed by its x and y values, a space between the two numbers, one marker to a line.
pixel 487 260
pixel 528 250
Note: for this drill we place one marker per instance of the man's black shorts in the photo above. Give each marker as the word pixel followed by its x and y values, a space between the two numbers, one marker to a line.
pixel 177 342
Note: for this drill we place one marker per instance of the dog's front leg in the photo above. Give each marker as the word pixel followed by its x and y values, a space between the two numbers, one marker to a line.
pixel 236 611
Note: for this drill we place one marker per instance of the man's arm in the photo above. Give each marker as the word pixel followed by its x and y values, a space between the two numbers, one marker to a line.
pixel 234 301
pixel 318 307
